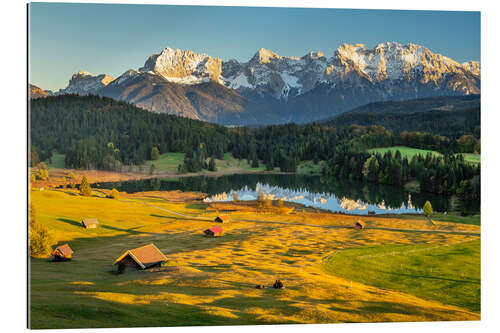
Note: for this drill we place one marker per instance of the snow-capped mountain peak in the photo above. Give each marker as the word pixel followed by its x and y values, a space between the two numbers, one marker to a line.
pixel 185 67
pixel 265 56
pixel 84 83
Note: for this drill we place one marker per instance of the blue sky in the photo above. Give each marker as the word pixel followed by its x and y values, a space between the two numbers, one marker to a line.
pixel 104 38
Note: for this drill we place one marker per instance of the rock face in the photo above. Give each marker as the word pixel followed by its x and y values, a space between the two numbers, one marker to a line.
pixel 84 83
pixel 270 88
pixel 184 67
pixel 36 92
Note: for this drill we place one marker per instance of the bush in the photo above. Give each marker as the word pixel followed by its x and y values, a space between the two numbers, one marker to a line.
pixel 155 153
pixel 40 240
pixel 43 174
pixel 114 194
pixel 236 197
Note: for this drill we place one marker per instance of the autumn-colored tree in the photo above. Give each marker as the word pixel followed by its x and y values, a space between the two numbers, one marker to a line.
pixel 43 174
pixel 236 197
pixel 85 187
pixel 40 240
pixel 428 211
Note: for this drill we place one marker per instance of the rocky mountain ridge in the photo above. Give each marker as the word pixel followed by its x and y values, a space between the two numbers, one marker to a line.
pixel 298 89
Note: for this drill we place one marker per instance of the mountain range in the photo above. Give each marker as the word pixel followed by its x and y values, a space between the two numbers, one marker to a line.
pixel 270 88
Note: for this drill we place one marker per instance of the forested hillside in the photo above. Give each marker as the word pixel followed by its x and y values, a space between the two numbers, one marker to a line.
pixel 95 132
pixel 102 133
pixel 451 116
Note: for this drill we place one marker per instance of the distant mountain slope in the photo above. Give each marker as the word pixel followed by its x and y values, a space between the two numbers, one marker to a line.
pixel 36 92
pixel 444 103
pixel 270 88
pixel 451 116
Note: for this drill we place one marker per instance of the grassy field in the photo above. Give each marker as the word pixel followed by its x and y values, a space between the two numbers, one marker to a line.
pixel 57 161
pixel 469 219
pixel 310 167
pixel 168 162
pixel 472 158
pixel 211 281
pixel 410 152
pixel 448 273
pixel 405 151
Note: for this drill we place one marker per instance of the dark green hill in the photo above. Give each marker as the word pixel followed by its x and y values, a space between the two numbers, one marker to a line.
pixel 451 116
pixel 82 127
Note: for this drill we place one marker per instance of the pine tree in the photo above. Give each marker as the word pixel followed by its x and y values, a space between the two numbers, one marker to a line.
pixel 211 165
pixel 255 162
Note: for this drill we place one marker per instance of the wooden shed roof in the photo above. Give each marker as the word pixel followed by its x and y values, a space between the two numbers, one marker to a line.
pixel 223 218
pixel 144 256
pixel 90 221
pixel 215 229
pixel 360 223
pixel 64 249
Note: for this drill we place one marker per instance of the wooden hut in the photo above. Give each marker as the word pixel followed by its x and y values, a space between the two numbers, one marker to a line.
pixel 143 257
pixel 62 253
pixel 223 219
pixel 90 223
pixel 359 225
pixel 213 232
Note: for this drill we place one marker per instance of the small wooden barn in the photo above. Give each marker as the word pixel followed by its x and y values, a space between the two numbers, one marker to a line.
pixel 213 232
pixel 62 253
pixel 90 223
pixel 359 225
pixel 143 257
pixel 223 219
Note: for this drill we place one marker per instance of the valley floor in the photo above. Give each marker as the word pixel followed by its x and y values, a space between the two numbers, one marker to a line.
pixel 211 281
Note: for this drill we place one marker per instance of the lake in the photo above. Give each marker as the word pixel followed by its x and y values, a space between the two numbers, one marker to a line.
pixel 311 191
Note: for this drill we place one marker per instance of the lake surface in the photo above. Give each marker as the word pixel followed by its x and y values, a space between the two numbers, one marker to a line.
pixel 311 191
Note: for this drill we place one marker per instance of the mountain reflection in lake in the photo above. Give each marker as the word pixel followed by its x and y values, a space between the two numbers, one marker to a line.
pixel 312 191
pixel 324 200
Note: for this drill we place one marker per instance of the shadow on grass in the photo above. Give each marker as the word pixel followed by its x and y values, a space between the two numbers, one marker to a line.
pixel 72 222
pixel 130 230
pixel 180 218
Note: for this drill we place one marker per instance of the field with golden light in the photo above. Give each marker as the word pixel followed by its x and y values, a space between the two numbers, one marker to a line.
pixel 397 269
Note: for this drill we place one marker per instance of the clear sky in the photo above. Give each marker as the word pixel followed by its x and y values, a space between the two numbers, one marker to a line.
pixel 105 38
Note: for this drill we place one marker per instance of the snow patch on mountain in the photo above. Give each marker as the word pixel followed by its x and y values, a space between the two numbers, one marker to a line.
pixel 184 67
pixel 84 83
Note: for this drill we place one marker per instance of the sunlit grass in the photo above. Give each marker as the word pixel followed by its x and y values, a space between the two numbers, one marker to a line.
pixel 211 281
pixel 448 273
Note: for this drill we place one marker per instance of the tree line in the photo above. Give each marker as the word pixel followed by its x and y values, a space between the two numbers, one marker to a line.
pixel 99 132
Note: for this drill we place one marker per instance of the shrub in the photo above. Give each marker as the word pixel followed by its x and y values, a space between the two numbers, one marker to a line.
pixel 40 240
pixel 236 197
pixel 155 153
pixel 43 174
pixel 114 194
